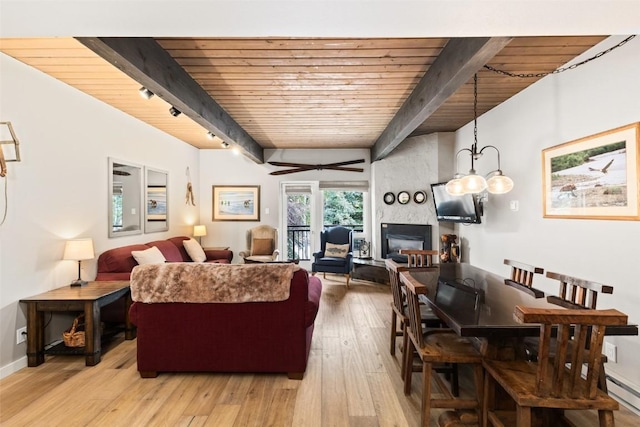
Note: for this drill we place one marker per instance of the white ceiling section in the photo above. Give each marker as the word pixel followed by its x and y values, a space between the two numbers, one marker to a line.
pixel 305 18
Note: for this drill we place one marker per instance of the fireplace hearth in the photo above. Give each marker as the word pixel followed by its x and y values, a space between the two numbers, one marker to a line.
pixel 403 236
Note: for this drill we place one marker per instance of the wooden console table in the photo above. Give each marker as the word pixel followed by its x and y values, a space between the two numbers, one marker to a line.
pixel 90 299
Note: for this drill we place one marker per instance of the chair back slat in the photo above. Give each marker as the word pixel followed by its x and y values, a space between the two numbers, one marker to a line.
pixel 394 282
pixel 414 289
pixel 522 277
pixel 584 344
pixel 419 257
pixel 577 293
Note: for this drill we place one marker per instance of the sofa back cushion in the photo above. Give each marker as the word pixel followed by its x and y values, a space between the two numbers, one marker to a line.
pixel 119 260
pixel 169 250
pixel 177 242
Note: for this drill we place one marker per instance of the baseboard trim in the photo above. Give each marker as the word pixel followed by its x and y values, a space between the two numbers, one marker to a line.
pixel 13 367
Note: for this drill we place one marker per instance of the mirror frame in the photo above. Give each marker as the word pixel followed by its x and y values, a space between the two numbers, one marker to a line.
pixel 156 219
pixel 137 205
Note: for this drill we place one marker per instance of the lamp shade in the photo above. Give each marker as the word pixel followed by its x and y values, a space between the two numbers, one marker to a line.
pixel 78 249
pixel 455 187
pixel 199 230
pixel 473 183
pixel 499 184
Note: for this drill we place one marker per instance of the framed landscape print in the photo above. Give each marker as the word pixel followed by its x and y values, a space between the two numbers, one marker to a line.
pixel 236 203
pixel 594 177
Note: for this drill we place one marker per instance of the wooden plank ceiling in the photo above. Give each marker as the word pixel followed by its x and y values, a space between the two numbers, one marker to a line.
pixel 301 92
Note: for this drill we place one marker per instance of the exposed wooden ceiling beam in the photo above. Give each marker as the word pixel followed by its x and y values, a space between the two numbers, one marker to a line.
pixel 144 60
pixel 455 65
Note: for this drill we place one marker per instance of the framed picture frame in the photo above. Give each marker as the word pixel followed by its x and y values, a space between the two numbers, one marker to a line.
pixel 595 177
pixel 156 214
pixel 236 203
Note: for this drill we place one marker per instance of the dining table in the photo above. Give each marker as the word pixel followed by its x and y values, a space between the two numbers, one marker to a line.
pixel 494 330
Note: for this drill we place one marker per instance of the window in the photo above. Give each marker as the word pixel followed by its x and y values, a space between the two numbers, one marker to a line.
pixel 343 207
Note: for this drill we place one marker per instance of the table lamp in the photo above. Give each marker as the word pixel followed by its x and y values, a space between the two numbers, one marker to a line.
pixel 77 250
pixel 198 231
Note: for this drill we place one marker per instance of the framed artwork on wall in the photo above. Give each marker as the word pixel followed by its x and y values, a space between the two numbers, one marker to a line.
pixel 595 177
pixel 236 203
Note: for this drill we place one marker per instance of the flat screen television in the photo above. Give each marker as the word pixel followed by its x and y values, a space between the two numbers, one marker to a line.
pixel 464 209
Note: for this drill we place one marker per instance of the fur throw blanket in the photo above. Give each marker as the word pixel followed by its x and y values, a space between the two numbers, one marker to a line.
pixel 209 282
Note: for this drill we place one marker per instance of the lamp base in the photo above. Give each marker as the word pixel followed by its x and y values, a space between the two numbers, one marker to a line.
pixel 79 283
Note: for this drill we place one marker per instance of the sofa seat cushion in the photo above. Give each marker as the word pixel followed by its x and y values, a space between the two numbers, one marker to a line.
pixel 211 283
pixel 331 261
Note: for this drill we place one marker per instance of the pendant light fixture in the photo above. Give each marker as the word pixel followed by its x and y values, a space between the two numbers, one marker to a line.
pixel 497 182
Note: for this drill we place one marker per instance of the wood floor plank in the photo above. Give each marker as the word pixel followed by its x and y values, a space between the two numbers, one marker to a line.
pixel 308 409
pixel 351 380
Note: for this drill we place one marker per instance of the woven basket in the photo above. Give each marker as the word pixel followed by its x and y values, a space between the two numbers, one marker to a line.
pixel 73 337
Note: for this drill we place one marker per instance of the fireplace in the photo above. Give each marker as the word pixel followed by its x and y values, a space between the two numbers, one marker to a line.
pixel 403 236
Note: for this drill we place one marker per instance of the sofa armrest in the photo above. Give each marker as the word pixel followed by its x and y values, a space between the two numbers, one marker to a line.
pixel 244 254
pixel 218 254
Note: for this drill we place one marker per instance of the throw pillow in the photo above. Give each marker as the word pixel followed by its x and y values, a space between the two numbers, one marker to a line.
pixel 149 256
pixel 195 251
pixel 336 251
pixel 262 247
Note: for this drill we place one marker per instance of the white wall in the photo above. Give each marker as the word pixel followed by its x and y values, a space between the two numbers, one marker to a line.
pixel 223 167
pixel 59 189
pixel 602 95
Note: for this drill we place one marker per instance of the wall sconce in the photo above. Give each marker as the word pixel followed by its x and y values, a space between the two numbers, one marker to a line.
pixel 145 93
pixel 78 250
pixel 496 183
pixel 174 111
pixel 11 146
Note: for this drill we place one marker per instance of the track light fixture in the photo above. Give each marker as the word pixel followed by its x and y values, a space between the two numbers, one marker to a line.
pixel 224 144
pixel 497 183
pixel 174 111
pixel 210 135
pixel 145 93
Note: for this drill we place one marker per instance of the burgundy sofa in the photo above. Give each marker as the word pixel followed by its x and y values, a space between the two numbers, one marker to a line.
pixel 117 263
pixel 272 336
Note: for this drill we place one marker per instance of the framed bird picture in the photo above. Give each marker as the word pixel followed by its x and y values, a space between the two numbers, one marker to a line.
pixel 595 177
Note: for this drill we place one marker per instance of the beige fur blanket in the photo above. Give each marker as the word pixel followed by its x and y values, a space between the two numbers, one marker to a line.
pixel 203 283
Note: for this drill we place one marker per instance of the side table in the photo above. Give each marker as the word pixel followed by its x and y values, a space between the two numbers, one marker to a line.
pixel 89 299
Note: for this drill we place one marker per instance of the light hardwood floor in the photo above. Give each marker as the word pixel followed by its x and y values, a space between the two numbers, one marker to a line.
pixel 351 380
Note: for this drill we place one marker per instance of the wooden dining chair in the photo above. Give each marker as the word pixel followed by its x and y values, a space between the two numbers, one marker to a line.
pixel 399 308
pixel 434 347
pixel 522 277
pixel 575 293
pixel 419 257
pixel 551 383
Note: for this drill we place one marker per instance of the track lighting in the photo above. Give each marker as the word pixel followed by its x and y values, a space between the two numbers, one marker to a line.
pixel 210 135
pixel 145 93
pixel 174 111
pixel 224 144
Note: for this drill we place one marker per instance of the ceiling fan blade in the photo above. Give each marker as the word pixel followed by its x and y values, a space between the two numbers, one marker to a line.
pixel 289 165
pixel 288 171
pixel 339 168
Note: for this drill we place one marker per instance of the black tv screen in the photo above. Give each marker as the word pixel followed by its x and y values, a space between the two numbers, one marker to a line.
pixel 464 209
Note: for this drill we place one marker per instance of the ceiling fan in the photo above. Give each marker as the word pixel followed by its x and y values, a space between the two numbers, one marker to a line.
pixel 301 167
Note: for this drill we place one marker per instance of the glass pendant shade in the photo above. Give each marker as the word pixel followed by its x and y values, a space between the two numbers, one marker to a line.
pixel 499 184
pixel 473 183
pixel 455 187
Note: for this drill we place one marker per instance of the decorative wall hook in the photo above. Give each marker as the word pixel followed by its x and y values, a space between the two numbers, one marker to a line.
pixel 189 198
pixel 12 147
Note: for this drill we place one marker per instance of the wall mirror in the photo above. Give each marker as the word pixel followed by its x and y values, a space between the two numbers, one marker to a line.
pixel 156 212
pixel 125 198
